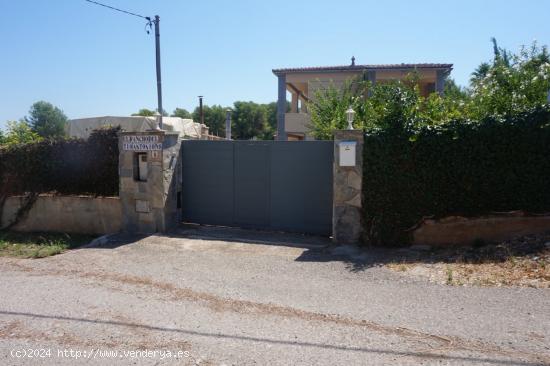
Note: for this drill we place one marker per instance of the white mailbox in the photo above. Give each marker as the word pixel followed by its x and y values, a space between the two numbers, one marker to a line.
pixel 142 167
pixel 347 153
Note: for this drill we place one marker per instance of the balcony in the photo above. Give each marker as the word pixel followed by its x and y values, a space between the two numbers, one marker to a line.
pixel 297 123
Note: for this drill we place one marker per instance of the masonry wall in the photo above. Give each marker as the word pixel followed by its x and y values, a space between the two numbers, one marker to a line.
pixel 67 214
pixel 456 230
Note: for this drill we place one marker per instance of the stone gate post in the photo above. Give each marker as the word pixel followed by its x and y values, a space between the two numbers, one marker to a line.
pixel 150 180
pixel 347 187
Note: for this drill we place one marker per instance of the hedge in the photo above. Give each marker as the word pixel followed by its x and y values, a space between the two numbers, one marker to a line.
pixel 64 166
pixel 460 168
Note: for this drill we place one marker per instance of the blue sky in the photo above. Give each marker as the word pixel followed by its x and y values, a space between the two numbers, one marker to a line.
pixel 91 61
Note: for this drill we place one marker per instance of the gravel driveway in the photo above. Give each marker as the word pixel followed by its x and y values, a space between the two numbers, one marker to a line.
pixel 220 296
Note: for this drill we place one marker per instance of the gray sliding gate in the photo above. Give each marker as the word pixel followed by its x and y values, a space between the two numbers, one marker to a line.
pixel 274 185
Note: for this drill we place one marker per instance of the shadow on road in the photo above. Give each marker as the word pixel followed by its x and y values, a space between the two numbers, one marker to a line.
pixel 321 249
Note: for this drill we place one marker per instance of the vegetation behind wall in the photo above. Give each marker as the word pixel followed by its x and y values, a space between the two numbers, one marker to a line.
pixel 458 168
pixel 63 166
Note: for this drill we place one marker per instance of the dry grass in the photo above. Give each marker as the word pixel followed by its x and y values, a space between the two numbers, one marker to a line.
pixel 523 262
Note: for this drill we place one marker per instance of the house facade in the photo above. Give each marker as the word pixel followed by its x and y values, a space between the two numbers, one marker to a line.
pixel 302 84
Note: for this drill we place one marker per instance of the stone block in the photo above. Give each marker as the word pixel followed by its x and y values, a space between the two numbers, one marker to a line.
pixel 127 185
pixel 343 194
pixel 145 217
pixel 157 200
pixel 126 172
pixel 146 227
pixel 354 180
pixel 355 201
pixel 126 159
pixel 347 228
pixel 142 187
pixel 141 196
pixel 340 178
pixel 142 206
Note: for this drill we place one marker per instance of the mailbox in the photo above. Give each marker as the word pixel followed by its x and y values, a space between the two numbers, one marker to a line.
pixel 140 167
pixel 347 153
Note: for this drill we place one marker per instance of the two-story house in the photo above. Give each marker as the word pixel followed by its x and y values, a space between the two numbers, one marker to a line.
pixel 303 82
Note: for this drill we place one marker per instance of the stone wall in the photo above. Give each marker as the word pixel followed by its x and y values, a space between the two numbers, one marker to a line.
pixel 151 205
pixel 457 230
pixel 67 214
pixel 347 191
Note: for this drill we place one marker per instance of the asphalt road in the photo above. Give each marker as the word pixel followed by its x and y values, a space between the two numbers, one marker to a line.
pixel 230 297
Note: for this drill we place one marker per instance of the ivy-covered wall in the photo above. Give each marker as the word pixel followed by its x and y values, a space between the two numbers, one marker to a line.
pixel 467 168
pixel 64 166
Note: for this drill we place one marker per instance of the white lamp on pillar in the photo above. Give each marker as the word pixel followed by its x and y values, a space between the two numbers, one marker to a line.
pixel 350 114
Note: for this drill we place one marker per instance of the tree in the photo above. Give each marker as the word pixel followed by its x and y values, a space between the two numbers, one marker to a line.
pixel 182 113
pixel 480 72
pixel 501 55
pixel 455 91
pixel 328 108
pixel 144 112
pixel 18 132
pixel 47 120
pixel 271 114
pixel 512 84
pixel 214 118
pixel 249 120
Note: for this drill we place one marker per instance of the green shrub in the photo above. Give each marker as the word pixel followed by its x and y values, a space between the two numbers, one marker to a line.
pixel 64 166
pixel 512 83
pixel 458 168
pixel 38 245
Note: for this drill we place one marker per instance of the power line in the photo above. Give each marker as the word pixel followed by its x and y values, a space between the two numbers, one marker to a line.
pixel 122 11
pixel 149 25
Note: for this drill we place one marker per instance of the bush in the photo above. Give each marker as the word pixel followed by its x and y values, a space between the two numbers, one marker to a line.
pixel 458 168
pixel 63 166
pixel 511 84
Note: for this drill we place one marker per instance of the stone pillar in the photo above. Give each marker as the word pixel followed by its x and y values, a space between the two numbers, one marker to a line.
pixel 281 108
pixel 150 180
pixel 440 81
pixel 347 191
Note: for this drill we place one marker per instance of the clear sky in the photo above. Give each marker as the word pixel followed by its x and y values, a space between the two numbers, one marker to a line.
pixel 91 61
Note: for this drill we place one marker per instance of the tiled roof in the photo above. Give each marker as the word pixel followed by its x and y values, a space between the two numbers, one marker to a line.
pixel 363 67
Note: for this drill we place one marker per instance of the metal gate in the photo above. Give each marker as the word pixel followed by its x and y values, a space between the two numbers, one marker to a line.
pixel 274 185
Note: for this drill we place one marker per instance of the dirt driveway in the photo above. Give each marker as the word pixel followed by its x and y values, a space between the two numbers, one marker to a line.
pixel 230 297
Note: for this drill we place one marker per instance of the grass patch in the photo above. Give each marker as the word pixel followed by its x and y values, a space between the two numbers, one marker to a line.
pixel 38 245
